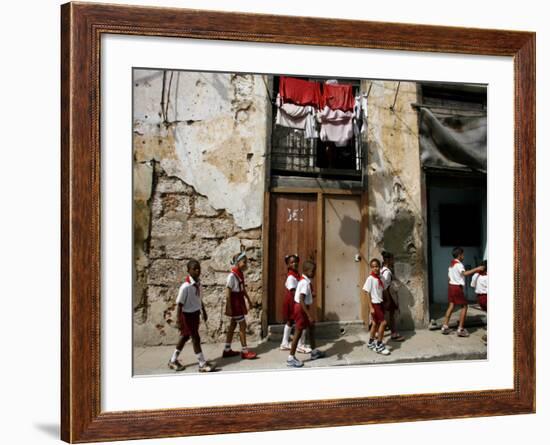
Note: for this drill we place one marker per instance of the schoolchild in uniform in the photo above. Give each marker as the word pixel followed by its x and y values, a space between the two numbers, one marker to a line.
pixel 303 299
pixel 456 275
pixel 235 307
pixel 291 282
pixel 189 306
pixel 479 283
pixel 374 289
pixel 390 300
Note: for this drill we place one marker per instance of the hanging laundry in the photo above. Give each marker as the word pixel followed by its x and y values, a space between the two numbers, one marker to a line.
pixel 299 91
pixel 336 126
pixel 338 97
pixel 297 117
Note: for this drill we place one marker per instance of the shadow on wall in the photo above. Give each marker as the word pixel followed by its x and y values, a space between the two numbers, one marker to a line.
pixel 349 228
pixel 405 300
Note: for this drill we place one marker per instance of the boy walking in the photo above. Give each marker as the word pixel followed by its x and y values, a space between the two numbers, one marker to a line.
pixel 189 308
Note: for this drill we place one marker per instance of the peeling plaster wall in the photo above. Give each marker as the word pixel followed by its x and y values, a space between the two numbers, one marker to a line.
pixel 396 218
pixel 199 154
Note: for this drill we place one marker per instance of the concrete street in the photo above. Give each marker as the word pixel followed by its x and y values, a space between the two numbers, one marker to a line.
pixel 348 349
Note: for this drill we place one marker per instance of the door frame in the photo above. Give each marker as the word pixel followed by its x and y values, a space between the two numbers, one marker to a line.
pixel 321 193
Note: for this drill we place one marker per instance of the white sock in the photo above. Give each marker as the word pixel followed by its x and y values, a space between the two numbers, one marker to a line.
pixel 227 346
pixel 201 359
pixel 291 357
pixel 302 341
pixel 286 334
pixel 175 356
pixel 245 349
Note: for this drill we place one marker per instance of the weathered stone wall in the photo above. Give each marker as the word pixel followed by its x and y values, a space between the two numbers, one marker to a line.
pixel 396 219
pixel 199 157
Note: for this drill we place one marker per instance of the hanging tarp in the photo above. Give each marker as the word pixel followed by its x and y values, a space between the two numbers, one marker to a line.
pixel 453 142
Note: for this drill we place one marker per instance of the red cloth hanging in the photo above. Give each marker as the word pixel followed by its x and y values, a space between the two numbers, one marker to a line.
pixel 338 97
pixel 299 91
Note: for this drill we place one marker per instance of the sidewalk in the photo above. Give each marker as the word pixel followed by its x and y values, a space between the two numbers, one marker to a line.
pixel 349 349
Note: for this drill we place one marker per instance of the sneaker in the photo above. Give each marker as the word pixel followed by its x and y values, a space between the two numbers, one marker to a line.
pixel 176 366
pixel 293 362
pixel 371 344
pixel 248 355
pixel 462 333
pixel 303 349
pixel 207 367
pixel 229 353
pixel 445 330
pixel 316 354
pixel 381 349
pixel 285 347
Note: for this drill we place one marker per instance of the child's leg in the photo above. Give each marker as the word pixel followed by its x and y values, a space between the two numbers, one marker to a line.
pixel 462 319
pixel 392 321
pixel 373 329
pixel 198 350
pixel 448 314
pixel 286 333
pixel 179 348
pixel 295 339
pixel 230 330
pixel 242 333
pixel 381 330
pixel 311 331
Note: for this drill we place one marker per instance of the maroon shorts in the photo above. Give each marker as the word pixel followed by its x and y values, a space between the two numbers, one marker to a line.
pixel 300 317
pixel 238 306
pixel 456 294
pixel 482 300
pixel 189 323
pixel 288 307
pixel 378 316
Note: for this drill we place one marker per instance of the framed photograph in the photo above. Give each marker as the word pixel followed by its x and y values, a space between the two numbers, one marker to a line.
pixel 274 222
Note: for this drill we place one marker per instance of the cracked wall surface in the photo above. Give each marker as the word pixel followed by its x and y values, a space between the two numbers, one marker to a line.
pixel 199 154
pixel 396 218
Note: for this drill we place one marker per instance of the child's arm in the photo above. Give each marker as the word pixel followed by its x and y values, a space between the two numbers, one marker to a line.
pixel 228 301
pixel 369 301
pixel 467 273
pixel 204 314
pixel 250 305
pixel 304 307
pixel 179 311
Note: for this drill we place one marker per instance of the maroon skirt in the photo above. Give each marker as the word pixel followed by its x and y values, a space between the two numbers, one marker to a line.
pixel 482 300
pixel 288 306
pixel 238 305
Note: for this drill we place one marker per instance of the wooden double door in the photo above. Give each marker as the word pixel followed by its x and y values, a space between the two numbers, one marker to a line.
pixel 330 230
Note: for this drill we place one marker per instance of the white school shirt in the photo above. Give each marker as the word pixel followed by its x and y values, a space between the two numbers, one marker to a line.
pixel 189 296
pixel 456 273
pixel 375 290
pixel 479 282
pixel 291 282
pixel 304 287
pixel 234 283
pixel 386 277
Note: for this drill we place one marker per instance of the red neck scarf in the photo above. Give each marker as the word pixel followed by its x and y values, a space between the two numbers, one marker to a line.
pixel 292 272
pixel 455 261
pixel 483 273
pixel 238 272
pixel 372 274
pixel 196 283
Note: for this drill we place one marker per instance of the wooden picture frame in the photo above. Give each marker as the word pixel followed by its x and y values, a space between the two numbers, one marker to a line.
pixel 82 26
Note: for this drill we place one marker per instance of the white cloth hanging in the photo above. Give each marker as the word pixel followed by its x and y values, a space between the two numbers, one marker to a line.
pixel 336 126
